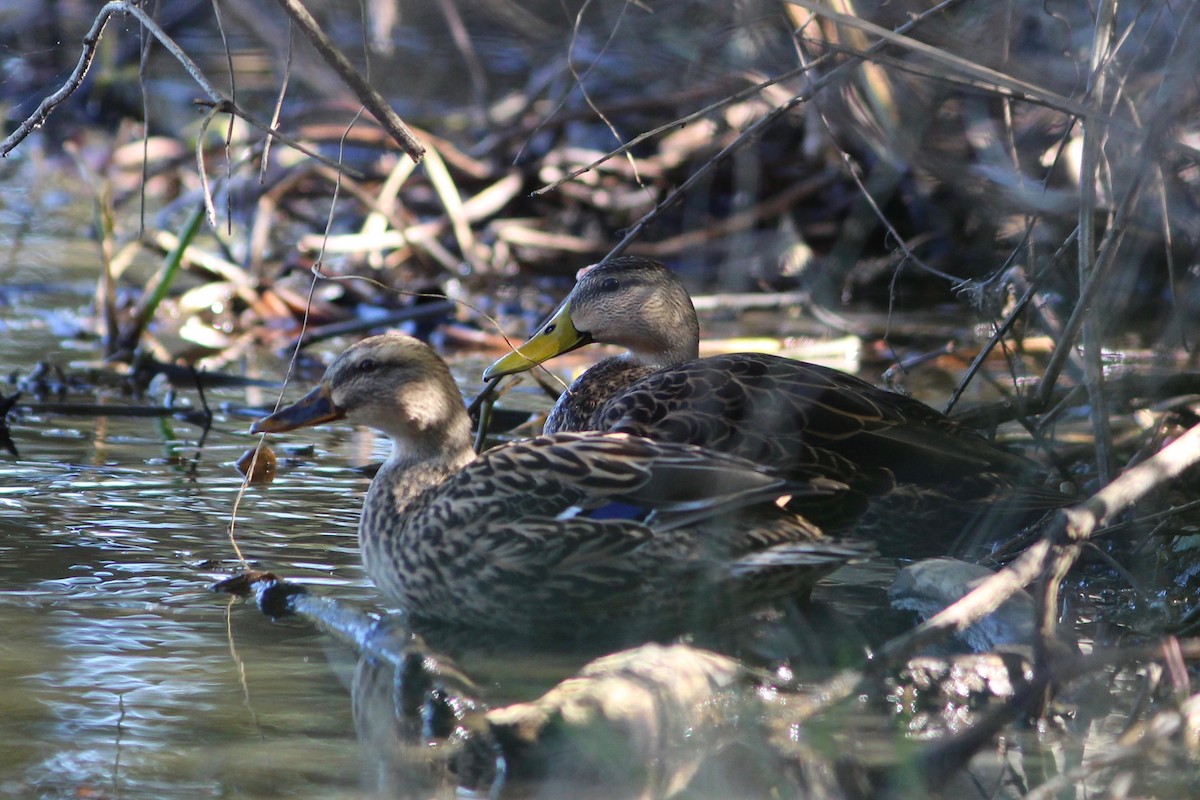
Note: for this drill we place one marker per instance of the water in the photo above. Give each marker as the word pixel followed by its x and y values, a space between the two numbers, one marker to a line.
pixel 124 674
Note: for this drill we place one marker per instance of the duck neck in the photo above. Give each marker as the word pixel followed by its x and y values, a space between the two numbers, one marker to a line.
pixel 426 451
pixel 410 471
pixel 666 353
pixel 666 336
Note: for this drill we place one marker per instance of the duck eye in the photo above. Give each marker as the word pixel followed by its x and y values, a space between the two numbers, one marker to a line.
pixel 367 365
pixel 609 285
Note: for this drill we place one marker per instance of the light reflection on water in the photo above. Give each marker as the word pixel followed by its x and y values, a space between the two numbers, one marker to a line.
pixel 123 674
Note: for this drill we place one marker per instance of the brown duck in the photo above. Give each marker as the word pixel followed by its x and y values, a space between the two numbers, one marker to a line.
pixel 559 534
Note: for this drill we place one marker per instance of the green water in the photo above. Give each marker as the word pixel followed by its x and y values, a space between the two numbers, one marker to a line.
pixel 124 674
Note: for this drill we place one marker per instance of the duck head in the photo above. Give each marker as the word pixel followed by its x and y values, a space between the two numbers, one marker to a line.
pixel 628 301
pixel 393 383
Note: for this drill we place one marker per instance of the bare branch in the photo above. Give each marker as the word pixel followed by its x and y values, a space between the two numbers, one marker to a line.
pixel 90 40
pixel 1072 527
pixel 216 100
pixel 374 102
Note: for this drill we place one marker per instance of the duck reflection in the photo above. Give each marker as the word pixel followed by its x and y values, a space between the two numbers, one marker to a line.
pixel 647 722
pixel 723 713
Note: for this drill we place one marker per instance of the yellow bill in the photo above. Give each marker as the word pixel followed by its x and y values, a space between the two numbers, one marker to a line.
pixel 556 336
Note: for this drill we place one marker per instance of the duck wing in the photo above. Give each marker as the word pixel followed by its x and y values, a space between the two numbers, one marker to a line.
pixel 802 419
pixel 587 526
pixel 612 476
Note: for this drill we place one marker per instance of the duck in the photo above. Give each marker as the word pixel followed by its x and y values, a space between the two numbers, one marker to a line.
pixel 801 419
pixel 561 533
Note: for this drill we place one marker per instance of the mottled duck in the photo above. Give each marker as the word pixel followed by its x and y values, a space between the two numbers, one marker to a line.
pixel 560 533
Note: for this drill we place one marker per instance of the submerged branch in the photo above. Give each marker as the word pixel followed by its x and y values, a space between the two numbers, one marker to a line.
pixel 1071 526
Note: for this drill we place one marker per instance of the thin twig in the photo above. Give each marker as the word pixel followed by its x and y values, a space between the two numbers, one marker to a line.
pixel 277 110
pixel 998 334
pixel 674 124
pixel 833 76
pixel 374 102
pixel 1104 261
pixel 91 40
pixel 210 210
pixel 1093 136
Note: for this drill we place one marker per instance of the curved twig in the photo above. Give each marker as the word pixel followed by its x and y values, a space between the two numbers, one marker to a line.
pixel 91 41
